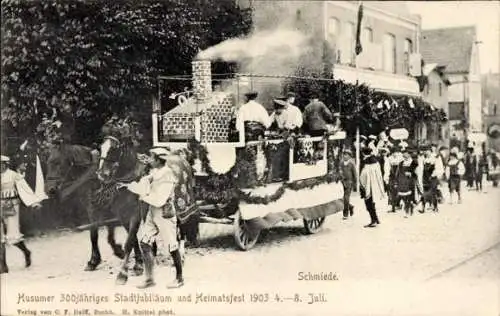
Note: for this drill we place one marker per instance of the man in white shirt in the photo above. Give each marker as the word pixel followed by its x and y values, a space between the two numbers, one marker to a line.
pixel 252 117
pixel 160 225
pixel 252 111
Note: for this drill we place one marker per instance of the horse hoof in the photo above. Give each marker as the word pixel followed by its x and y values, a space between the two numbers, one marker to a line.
pixel 121 279
pixel 137 270
pixel 91 266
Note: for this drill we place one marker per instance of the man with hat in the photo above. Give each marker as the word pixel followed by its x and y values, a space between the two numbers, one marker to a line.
pixel 348 173
pixel 252 116
pixel 371 184
pixel 14 190
pixel 316 117
pixel 286 116
pixel 160 224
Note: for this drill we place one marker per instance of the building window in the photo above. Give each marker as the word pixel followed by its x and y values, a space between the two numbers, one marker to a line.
pixel 389 53
pixel 333 27
pixel 367 35
pixel 407 51
pixel 350 34
pixel 408 46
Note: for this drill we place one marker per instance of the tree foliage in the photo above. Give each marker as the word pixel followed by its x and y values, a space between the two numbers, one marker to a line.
pixel 101 57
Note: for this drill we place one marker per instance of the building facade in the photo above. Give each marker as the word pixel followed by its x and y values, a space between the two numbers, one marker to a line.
pixel 434 89
pixel 390 38
pixel 491 110
pixel 457 49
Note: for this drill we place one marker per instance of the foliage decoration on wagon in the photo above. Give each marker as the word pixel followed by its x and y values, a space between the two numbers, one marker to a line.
pixel 223 188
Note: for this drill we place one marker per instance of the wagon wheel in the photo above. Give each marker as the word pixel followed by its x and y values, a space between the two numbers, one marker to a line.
pixel 314 225
pixel 245 239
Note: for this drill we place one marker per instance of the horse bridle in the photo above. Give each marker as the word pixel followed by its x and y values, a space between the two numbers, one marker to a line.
pixel 119 146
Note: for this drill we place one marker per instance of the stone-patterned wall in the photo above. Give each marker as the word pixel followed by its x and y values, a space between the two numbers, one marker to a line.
pixel 178 126
pixel 215 121
pixel 202 81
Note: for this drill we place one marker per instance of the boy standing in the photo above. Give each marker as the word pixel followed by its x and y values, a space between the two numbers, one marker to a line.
pixel 348 182
pixel 454 171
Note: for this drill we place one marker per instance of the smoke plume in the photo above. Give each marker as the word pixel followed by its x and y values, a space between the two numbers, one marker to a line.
pixel 266 52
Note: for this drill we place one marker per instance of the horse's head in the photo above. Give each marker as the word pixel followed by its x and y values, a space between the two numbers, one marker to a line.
pixel 59 165
pixel 109 161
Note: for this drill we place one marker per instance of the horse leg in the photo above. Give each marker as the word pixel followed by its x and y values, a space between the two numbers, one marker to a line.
pixel 95 258
pixel 132 242
pixel 117 248
pixel 122 276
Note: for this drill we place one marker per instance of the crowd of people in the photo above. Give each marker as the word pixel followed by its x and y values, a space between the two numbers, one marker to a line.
pixel 390 169
pixel 409 177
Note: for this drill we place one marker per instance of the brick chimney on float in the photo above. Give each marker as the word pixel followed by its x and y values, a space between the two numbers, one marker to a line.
pixel 202 81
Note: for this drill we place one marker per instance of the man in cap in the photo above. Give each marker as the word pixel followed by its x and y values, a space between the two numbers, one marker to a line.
pixel 348 172
pixel 252 116
pixel 160 224
pixel 286 116
pixel 14 190
pixel 371 185
pixel 316 116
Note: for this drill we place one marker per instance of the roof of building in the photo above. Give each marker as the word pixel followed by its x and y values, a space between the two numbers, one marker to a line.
pixel 191 106
pixel 440 69
pixel 451 47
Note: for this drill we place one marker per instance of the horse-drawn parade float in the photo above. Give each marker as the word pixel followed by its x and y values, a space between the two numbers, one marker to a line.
pixel 252 181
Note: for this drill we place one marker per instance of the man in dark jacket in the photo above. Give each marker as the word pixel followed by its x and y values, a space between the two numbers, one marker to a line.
pixel 316 116
pixel 348 172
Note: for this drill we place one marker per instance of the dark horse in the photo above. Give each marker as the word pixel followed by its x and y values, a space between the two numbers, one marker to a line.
pixel 72 180
pixel 119 163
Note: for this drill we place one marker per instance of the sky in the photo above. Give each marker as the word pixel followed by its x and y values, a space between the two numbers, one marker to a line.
pixel 485 15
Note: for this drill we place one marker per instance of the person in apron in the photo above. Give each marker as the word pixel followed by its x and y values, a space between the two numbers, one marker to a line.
pixel 407 179
pixel 390 177
pixel 14 190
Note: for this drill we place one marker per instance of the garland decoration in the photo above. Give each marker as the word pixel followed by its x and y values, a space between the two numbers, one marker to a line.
pixel 225 188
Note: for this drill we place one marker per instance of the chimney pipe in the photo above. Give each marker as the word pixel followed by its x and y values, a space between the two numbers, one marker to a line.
pixel 202 80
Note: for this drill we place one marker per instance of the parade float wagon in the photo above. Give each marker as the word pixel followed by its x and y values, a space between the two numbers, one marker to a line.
pixel 250 184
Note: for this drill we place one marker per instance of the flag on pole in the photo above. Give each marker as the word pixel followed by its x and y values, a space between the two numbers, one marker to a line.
pixel 359 47
pixel 410 102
